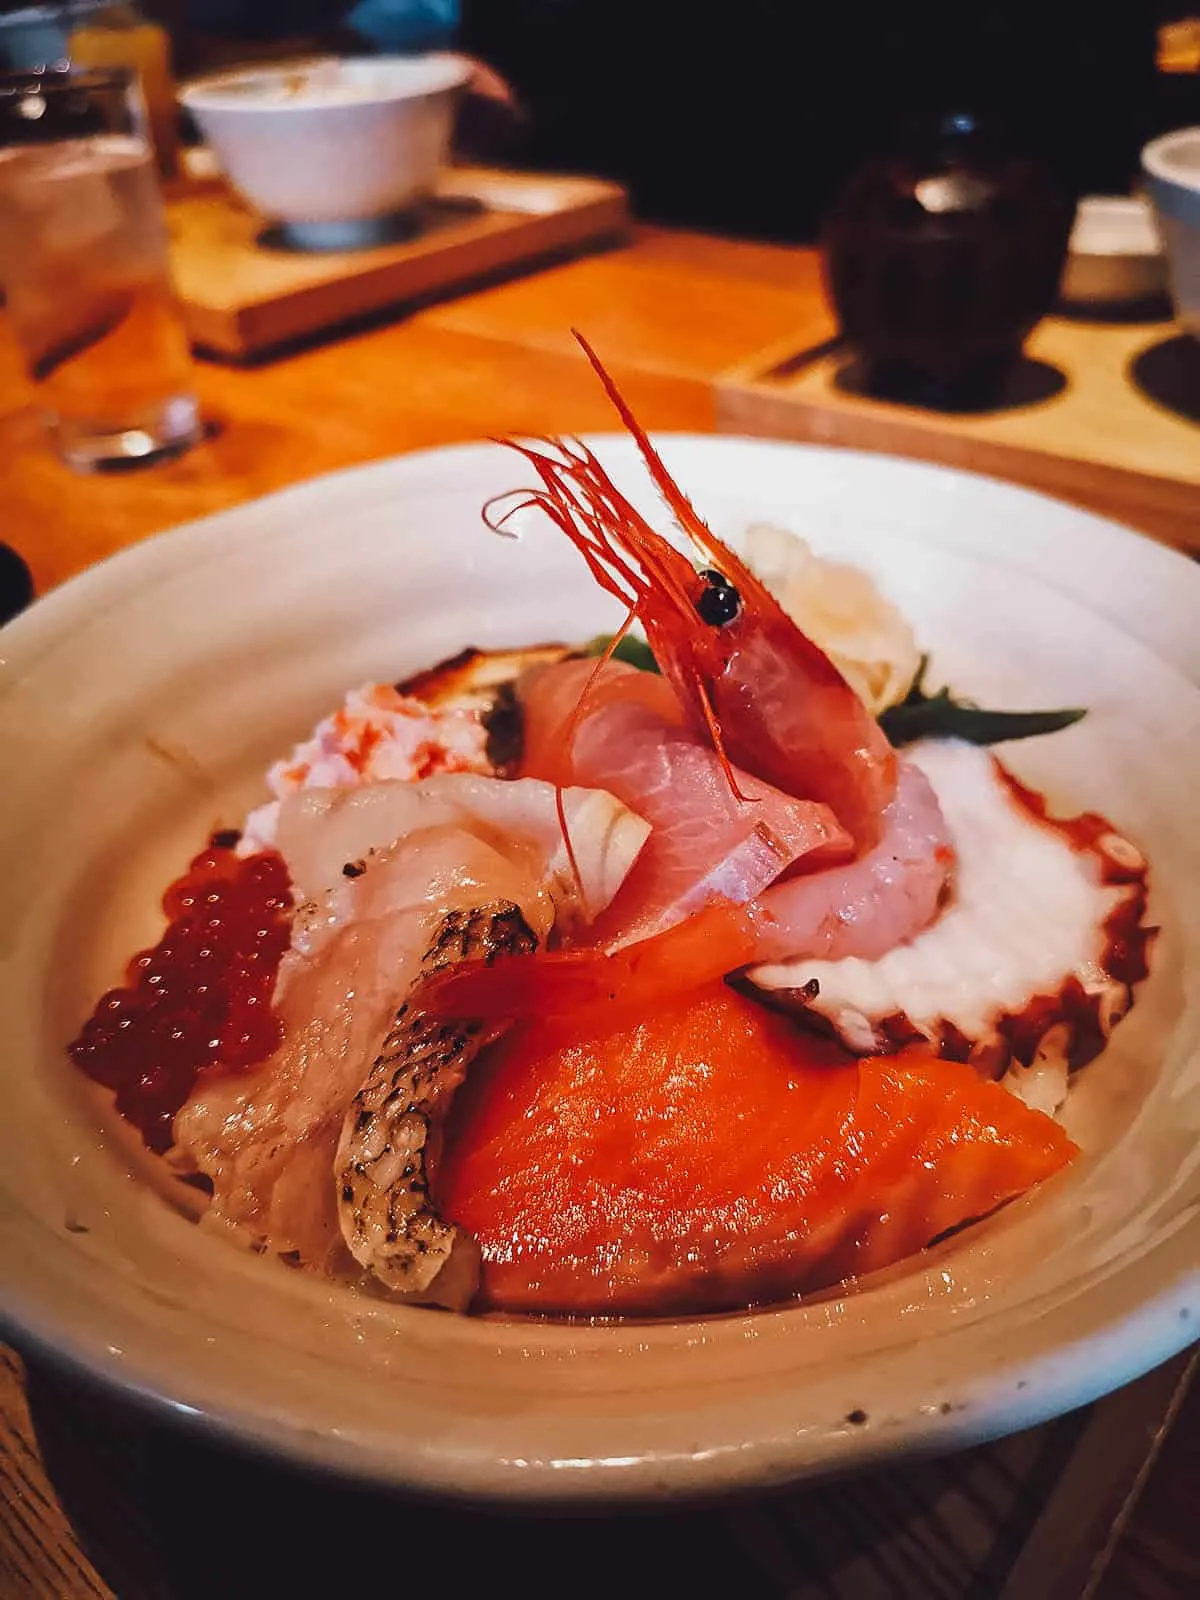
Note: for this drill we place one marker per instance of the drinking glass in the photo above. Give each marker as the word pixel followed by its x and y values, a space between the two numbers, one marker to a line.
pixel 99 33
pixel 83 262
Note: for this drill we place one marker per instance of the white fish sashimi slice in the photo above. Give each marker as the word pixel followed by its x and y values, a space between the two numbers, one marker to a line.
pixel 871 905
pixel 750 866
pixel 263 1138
pixel 320 831
pixel 706 840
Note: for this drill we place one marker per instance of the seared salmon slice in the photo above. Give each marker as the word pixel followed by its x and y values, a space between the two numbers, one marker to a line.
pixel 706 1155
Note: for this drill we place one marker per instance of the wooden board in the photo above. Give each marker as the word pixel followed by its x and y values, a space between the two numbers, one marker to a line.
pixel 243 295
pixel 1120 433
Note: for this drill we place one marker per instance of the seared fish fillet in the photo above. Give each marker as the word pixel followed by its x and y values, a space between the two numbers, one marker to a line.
pixel 392 1128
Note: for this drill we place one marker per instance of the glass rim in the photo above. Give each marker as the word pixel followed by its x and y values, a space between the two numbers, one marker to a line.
pixel 18 82
pixel 25 15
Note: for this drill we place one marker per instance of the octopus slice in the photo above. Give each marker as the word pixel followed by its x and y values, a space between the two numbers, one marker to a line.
pixel 1033 958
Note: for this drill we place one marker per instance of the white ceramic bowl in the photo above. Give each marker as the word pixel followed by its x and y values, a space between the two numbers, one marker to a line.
pixel 139 707
pixel 1115 256
pixel 328 146
pixel 1172 167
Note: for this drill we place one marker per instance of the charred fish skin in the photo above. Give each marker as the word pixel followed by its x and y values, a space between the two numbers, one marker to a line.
pixel 390 1133
pixel 482 934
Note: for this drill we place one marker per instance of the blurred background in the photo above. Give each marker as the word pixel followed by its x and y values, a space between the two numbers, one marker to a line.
pixel 171 316
pixel 747 118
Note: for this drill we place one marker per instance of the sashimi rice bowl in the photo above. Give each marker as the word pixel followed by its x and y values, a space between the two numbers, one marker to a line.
pixel 724 962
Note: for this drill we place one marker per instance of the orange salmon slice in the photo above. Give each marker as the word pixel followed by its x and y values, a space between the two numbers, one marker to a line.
pixel 705 1155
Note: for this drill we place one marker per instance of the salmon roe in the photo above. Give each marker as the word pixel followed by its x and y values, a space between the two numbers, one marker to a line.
pixel 200 1000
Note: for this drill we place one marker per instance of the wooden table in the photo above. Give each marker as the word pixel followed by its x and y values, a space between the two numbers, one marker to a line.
pixel 670 313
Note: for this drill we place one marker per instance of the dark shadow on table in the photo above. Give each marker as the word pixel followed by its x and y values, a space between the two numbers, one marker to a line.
pixel 1122 313
pixel 1169 374
pixel 1028 382
pixel 167 1515
pixel 164 1513
pixel 377 233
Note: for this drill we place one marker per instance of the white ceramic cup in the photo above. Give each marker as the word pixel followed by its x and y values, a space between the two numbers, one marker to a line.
pixel 330 146
pixel 1172 167
pixel 1115 256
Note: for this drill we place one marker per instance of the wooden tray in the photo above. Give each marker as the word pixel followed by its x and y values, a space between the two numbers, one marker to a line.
pixel 243 295
pixel 1103 415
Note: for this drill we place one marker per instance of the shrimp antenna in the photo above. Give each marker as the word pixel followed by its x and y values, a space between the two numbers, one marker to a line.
pixel 681 508
pixel 624 554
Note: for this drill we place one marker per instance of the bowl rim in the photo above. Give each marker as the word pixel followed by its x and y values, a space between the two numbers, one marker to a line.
pixel 1007 1393
pixel 218 91
pixel 1156 158
pixel 1151 1328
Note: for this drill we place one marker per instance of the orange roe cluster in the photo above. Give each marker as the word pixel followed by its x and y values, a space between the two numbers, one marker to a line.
pixel 200 1001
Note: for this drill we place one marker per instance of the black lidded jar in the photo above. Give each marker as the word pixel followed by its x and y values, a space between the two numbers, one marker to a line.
pixel 941 256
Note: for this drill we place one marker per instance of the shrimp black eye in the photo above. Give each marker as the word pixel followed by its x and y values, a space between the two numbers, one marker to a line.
pixel 719 602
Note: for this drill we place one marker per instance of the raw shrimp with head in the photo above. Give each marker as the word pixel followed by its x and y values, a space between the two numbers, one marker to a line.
pixel 744 684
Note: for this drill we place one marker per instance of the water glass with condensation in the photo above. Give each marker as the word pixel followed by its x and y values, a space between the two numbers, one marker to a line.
pixel 84 266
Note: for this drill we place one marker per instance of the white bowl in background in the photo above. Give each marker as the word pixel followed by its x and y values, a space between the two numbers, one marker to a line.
pixel 1172 167
pixel 328 146
pixel 1115 256
pixel 175 672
